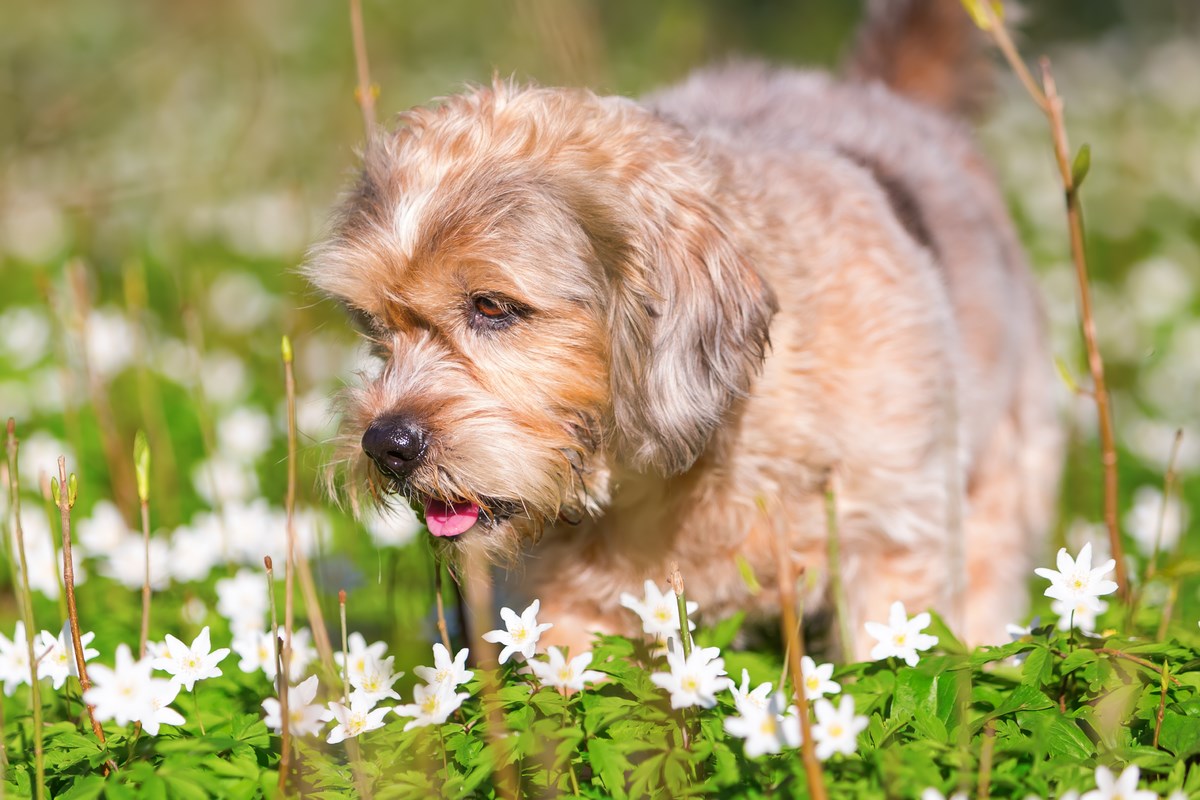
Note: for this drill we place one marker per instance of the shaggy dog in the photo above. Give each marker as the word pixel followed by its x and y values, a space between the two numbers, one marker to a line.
pixel 618 334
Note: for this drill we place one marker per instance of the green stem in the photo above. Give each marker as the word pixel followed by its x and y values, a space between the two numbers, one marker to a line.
pixel 199 719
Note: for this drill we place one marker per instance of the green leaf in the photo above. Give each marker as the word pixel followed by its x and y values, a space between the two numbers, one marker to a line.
pixel 610 764
pixel 1077 659
pixel 1081 165
pixel 1039 667
pixel 141 463
pixel 979 14
pixel 87 787
pixel 1180 734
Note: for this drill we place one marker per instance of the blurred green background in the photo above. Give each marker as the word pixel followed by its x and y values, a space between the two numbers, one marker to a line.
pixel 163 167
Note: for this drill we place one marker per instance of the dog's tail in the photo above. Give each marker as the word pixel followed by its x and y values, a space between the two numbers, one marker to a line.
pixel 927 50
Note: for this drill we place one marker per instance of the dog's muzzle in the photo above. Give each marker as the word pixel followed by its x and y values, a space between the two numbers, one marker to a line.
pixel 396 444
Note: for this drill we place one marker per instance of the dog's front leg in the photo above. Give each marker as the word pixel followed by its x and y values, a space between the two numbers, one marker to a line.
pixel 919 576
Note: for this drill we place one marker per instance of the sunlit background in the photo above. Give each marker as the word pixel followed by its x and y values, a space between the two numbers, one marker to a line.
pixel 163 167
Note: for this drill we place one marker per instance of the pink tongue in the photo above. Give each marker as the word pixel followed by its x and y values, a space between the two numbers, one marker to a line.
pixel 445 519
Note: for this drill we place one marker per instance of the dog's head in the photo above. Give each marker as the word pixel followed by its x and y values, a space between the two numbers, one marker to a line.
pixel 557 287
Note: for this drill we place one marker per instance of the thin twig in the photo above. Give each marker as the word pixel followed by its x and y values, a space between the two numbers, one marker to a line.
pixel 353 751
pixel 141 463
pixel 1135 659
pixel 297 558
pixel 282 679
pixel 1162 703
pixel 1168 488
pixel 685 633
pixel 985 760
pixel 1168 609
pixel 1049 101
pixel 793 635
pixel 118 467
pixel 841 606
pixel 66 499
pixel 441 604
pixel 345 650
pixel 289 571
pixel 25 601
pixel 365 93
pixel 478 592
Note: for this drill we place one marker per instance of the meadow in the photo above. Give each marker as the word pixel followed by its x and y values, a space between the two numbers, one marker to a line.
pixel 163 171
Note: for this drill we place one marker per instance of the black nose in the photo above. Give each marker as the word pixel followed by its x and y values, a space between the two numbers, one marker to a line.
pixel 395 444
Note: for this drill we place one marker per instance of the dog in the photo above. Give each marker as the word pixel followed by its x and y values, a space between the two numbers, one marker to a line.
pixel 621 334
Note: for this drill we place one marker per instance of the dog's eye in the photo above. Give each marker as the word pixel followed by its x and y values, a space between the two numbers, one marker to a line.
pixel 491 313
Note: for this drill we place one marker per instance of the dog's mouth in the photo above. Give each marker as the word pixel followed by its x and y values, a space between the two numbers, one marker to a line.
pixel 447 520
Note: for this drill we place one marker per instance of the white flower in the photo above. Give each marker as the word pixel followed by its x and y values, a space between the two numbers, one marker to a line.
pixel 902 636
pixel 305 717
pixel 124 694
pixel 244 598
pixel 162 694
pixel 1016 633
pixel 126 564
pixel 45 575
pixel 1142 521
pixel 934 794
pixel 24 336
pixel 357 719
pixel 221 480
pixel 14 660
pixel 193 610
pixel 695 680
pixel 359 653
pixel 522 632
pixel 454 673
pixel 257 649
pixel 375 682
pixel 100 533
pixel 56 654
pixel 223 376
pixel 303 654
pixel 432 705
pixel 392 525
pixel 1123 787
pixel 817 679
pixel 193 553
pixel 1085 609
pixel 1075 579
pixel 836 731
pixel 244 434
pixel 108 339
pixel 765 729
pixel 39 455
pixel 659 610
pixel 239 303
pixel 186 665
pixel 748 702
pixel 562 674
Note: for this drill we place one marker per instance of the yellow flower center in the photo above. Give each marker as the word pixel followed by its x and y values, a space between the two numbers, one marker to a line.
pixel 689 684
pixel 812 682
pixel 836 730
pixel 564 674
pixel 520 634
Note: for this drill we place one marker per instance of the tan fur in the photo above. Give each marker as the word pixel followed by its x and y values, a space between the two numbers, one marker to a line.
pixel 637 414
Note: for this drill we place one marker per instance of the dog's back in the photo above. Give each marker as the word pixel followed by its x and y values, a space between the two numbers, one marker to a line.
pixel 899 115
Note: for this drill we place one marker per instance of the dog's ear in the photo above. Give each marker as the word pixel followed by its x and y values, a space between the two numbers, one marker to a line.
pixel 689 319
